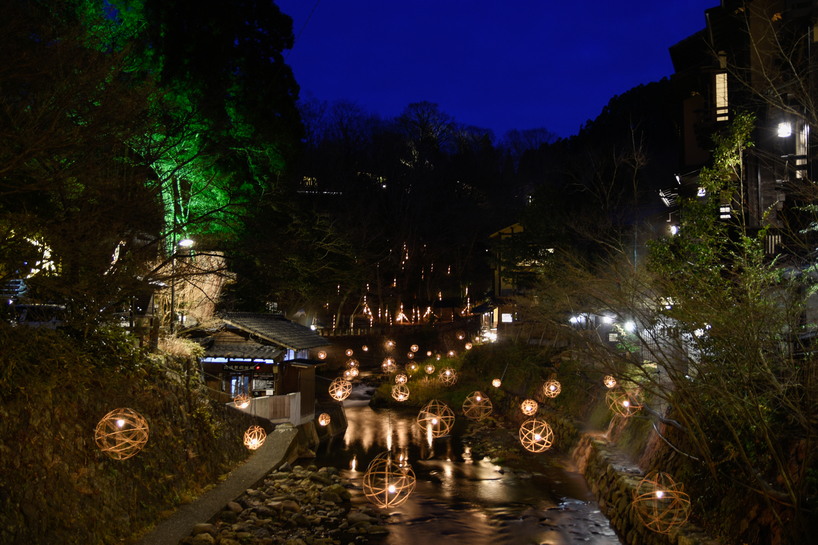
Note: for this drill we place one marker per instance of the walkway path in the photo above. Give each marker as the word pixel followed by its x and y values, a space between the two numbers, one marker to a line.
pixel 279 446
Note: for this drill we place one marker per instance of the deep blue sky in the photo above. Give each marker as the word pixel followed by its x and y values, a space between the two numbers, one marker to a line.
pixel 501 65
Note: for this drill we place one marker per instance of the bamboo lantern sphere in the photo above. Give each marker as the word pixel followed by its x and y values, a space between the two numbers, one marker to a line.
pixel 390 344
pixel 536 435
pixel 660 503
pixel 623 403
pixel 496 382
pixel 400 378
pixel 609 381
pixel 242 401
pixel 348 352
pixel 324 419
pixel 428 353
pixel 340 389
pixel 350 373
pixel 451 353
pixel 447 376
pixel 411 368
pixel 437 357
pixel 388 482
pixel 322 355
pixel 400 392
pixel 410 355
pixel 529 407
pixel 477 406
pixel 413 348
pixel 121 433
pixel 365 348
pixel 436 418
pixel 254 437
pixel 429 368
pixel 468 346
pixel 551 388
pixel 460 334
pixel 352 363
pixel 389 366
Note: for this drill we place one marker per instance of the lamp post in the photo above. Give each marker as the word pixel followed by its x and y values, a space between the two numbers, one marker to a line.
pixel 185 243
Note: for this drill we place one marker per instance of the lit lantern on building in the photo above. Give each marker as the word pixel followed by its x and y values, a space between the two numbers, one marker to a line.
pixel 121 433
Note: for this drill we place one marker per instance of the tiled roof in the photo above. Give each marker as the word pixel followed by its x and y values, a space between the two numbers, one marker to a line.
pixel 243 351
pixel 276 329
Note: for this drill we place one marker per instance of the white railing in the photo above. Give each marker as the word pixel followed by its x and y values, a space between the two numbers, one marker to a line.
pixel 276 409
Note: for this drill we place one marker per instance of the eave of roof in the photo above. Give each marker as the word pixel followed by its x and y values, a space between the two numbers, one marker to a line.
pixel 276 329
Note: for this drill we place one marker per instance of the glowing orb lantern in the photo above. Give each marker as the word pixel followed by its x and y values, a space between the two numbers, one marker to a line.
pixel 609 381
pixel 254 437
pixel 447 376
pixel 388 482
pixel 324 419
pixel 428 353
pixel 413 348
pixel 529 407
pixel 352 363
pixel 400 378
pixel 536 435
pixel 411 368
pixel 436 418
pixel 389 366
pixel 340 389
pixel 429 368
pixel 365 348
pixel 121 433
pixel 496 382
pixel 468 346
pixel 660 503
pixel 460 334
pixel 400 392
pixel 410 355
pixel 477 406
pixel 623 403
pixel 451 354
pixel 242 401
pixel 348 352
pixel 390 345
pixel 350 374
pixel 551 388
pixel 322 355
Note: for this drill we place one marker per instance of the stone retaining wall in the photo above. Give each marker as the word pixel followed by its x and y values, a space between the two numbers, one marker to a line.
pixel 612 480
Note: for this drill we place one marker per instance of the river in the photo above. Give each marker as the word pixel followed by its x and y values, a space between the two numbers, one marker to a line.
pixel 461 500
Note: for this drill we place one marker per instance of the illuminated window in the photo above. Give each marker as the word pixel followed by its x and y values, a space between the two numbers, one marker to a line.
pixel 506 318
pixel 721 97
pixel 724 212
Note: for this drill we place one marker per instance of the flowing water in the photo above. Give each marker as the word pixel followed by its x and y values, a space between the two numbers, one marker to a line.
pixel 458 499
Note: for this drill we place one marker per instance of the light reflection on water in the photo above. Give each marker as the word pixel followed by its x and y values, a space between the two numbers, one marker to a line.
pixel 460 500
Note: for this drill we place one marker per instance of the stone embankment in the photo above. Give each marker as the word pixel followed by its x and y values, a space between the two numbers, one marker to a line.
pixel 293 506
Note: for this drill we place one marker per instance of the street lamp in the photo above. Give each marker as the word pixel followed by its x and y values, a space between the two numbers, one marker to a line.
pixel 185 243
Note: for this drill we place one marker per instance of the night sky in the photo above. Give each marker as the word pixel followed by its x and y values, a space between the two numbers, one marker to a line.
pixel 510 65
